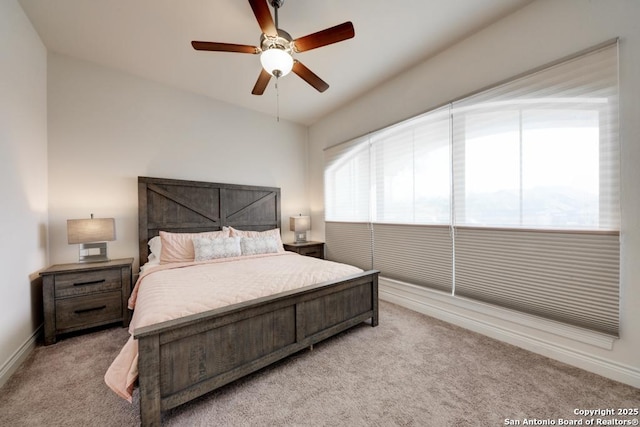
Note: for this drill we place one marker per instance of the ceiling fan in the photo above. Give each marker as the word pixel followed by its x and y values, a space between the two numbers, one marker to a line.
pixel 276 47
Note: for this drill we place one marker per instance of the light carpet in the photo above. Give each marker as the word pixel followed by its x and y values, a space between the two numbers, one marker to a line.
pixel 411 370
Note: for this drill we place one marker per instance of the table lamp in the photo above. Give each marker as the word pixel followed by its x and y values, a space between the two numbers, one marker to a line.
pixel 92 235
pixel 300 225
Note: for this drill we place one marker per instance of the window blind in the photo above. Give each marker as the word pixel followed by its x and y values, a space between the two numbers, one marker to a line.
pixel 525 173
pixel 411 169
pixel 570 277
pixel 350 243
pixel 347 177
pixel 417 254
pixel 541 151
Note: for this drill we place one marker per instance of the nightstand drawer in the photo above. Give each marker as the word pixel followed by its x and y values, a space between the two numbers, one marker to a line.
pixel 88 310
pixel 87 282
pixel 313 251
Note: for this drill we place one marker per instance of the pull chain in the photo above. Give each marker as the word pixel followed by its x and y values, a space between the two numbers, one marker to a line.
pixel 277 102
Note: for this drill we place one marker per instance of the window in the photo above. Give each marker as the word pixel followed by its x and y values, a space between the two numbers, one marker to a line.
pixel 347 174
pixel 541 151
pixel 508 196
pixel 412 171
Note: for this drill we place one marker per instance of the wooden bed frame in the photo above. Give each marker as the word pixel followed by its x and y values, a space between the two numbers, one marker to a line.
pixel 184 358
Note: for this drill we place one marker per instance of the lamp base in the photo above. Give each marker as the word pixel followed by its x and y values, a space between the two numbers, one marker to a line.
pixel 93 252
pixel 300 237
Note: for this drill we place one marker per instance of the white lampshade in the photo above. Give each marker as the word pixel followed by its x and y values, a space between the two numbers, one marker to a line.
pixel 91 234
pixel 90 230
pixel 299 223
pixel 276 62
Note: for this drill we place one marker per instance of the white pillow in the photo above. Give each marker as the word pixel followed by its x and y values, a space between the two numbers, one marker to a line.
pixel 258 245
pixel 178 247
pixel 275 233
pixel 155 244
pixel 153 261
pixel 224 247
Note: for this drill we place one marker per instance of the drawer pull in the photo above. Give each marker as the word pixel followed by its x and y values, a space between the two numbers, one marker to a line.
pixel 92 282
pixel 87 310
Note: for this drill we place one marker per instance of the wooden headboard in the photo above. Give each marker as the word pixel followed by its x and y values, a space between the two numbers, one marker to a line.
pixel 190 206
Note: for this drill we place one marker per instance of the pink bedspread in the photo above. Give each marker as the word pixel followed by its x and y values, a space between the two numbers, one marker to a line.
pixel 171 291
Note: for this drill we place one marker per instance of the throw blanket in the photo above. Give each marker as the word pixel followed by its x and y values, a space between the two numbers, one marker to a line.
pixel 171 291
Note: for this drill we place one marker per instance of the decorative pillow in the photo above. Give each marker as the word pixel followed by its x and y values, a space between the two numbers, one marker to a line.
pixel 275 233
pixel 225 247
pixel 178 247
pixel 258 245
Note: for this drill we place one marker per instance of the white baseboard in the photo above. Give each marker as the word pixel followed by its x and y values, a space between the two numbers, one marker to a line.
pixel 17 358
pixel 518 329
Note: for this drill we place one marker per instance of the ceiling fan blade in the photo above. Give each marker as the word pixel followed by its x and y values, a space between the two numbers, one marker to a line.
pixel 325 37
pixel 261 83
pixel 224 47
pixel 309 76
pixel 263 15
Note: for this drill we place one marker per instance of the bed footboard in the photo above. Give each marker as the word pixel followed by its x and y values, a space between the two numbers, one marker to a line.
pixel 182 359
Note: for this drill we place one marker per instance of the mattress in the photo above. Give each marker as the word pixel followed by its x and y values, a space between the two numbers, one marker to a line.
pixel 171 291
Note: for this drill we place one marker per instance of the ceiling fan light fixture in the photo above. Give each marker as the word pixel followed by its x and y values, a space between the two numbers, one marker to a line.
pixel 277 46
pixel 276 61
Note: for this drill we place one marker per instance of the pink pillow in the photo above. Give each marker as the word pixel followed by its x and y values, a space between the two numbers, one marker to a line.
pixel 178 247
pixel 275 233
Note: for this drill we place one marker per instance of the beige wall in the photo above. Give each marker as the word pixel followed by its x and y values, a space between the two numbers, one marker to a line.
pixel 23 183
pixel 106 128
pixel 74 137
pixel 542 32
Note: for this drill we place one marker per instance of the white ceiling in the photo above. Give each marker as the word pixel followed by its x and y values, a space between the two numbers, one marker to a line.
pixel 151 39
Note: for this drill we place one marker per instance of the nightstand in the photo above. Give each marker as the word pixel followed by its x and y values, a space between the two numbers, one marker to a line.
pixel 83 295
pixel 313 249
